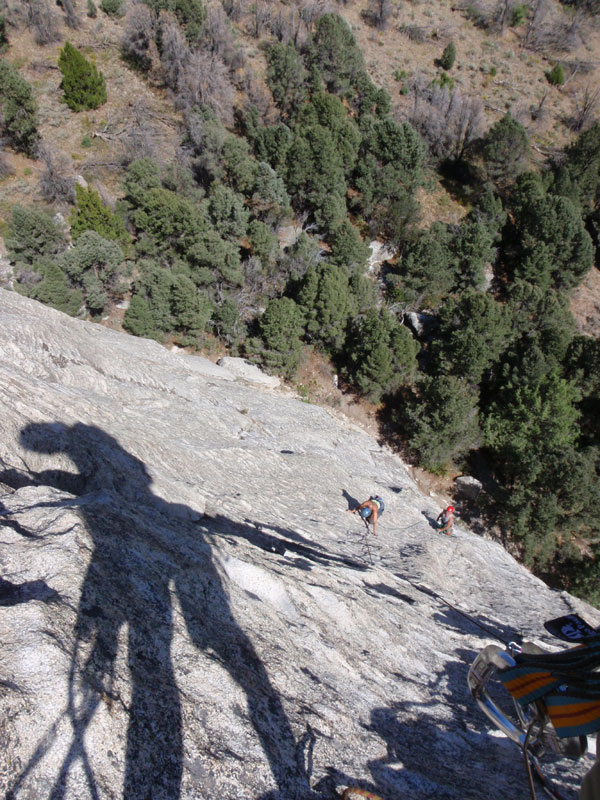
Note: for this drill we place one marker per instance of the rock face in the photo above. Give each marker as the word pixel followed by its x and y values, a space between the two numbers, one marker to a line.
pixel 468 487
pixel 248 372
pixel 420 324
pixel 188 611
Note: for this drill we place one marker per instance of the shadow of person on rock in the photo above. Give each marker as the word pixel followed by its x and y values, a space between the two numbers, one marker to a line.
pixel 352 501
pixel 12 594
pixel 433 523
pixel 145 549
pixel 275 539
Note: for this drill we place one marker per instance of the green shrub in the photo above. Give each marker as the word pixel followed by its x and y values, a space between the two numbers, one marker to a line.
pixel 54 291
pixel 83 84
pixel 138 318
pixel 32 235
pixel 448 56
pixel 556 75
pixel 3 34
pixel 92 215
pixel 93 263
pixel 518 15
pixel 92 11
pixel 114 8
pixel 444 81
pixel 17 110
pixel 280 329
pixel 86 141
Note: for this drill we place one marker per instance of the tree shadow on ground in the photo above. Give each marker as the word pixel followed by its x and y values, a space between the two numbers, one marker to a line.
pixel 143 549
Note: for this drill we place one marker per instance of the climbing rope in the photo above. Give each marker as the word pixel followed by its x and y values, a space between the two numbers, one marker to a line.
pixel 464 614
pixel 366 544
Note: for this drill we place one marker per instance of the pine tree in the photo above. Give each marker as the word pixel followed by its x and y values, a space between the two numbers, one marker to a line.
pixel 18 110
pixel 327 303
pixel 191 308
pixel 92 215
pixel 448 56
pixel 83 84
pixel 227 211
pixel 138 318
pixel 3 34
pixel 556 75
pixel 286 77
pixel 54 291
pixel 505 149
pixel 32 234
pixel 444 421
pixel 93 263
pixel 264 243
pixel 114 8
pixel 381 354
pixel 348 248
pixel 474 331
pixel 336 55
pixel 281 328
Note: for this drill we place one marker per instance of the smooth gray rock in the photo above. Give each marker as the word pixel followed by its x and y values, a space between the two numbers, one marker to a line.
pixel 420 324
pixel 246 371
pixel 188 611
pixel 380 253
pixel 468 487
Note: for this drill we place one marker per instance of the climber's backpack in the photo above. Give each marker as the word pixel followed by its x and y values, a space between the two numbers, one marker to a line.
pixel 379 502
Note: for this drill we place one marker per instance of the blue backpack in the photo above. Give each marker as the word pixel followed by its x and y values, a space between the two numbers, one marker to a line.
pixel 379 502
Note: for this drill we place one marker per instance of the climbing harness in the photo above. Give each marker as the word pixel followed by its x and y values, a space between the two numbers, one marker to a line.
pixel 556 698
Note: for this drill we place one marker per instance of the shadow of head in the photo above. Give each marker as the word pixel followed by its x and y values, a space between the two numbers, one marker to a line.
pixel 101 462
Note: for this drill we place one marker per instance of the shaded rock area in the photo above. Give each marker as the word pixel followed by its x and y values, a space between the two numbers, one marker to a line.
pixel 421 325
pixel 188 610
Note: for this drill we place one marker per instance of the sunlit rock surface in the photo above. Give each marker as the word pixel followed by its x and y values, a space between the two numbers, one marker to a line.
pixel 188 610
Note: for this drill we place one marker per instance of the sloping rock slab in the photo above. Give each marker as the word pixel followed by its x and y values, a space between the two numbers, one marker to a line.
pixel 248 372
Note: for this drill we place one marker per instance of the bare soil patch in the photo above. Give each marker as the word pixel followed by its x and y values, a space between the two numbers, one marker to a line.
pixel 315 382
pixel 585 304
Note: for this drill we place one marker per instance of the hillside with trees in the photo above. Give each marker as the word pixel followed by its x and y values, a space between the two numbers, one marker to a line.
pixel 219 170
